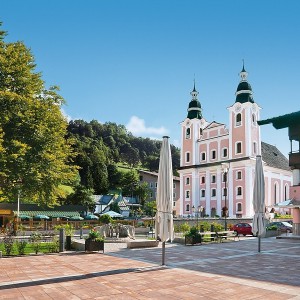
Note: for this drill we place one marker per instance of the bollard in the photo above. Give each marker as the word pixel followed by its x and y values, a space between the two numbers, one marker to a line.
pixel 0 254
pixel 61 240
pixel 81 233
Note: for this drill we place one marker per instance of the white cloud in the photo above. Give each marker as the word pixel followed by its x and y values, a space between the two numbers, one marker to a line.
pixel 68 117
pixel 137 127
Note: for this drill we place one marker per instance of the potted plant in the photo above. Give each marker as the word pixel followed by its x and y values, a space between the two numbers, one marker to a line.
pixel 94 241
pixel 193 236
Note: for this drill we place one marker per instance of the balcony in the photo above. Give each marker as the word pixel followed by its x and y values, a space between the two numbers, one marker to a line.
pixel 294 160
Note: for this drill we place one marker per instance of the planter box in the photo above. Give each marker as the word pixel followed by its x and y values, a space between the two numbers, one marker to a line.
pixel 91 245
pixel 192 240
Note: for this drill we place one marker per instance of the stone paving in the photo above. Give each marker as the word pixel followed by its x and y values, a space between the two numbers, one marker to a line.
pixel 230 270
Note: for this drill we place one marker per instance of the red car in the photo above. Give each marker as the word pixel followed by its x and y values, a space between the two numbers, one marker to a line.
pixel 242 228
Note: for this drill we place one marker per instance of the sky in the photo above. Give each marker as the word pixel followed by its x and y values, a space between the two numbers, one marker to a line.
pixel 134 62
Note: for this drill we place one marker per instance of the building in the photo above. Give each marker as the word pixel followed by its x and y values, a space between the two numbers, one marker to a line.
pixel 217 163
pixel 292 122
pixel 151 179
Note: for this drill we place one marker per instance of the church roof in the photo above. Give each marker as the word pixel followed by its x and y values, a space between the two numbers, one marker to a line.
pixel 273 157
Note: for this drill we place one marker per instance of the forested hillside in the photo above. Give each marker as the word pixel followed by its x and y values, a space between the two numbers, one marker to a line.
pixel 101 148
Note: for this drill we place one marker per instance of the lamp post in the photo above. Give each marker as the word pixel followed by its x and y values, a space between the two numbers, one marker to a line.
pixel 225 172
pixel 18 185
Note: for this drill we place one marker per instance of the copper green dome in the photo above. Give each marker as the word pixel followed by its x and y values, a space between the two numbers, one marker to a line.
pixel 244 91
pixel 194 110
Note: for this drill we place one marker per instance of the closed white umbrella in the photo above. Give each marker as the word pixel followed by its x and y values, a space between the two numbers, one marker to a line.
pixel 164 199
pixel 258 224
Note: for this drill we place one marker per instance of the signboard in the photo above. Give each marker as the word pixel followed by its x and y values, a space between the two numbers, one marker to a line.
pixel 5 212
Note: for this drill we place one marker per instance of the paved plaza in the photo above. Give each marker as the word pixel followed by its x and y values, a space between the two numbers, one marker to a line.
pixel 230 270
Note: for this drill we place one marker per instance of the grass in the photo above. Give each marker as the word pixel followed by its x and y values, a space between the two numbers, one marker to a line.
pixel 45 247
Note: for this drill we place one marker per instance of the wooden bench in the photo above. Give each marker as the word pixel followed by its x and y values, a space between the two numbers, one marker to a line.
pixel 226 235
pixel 142 244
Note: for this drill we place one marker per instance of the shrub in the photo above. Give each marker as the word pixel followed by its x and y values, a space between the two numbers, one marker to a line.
pixel 185 227
pixel 94 235
pixel 35 239
pixel 8 243
pixel 105 219
pixel 21 245
pixel 272 227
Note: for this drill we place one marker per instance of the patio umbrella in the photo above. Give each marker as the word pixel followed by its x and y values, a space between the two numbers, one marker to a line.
pixel 41 217
pixel 258 224
pixel 24 217
pixel 91 217
pixel 76 218
pixel 164 200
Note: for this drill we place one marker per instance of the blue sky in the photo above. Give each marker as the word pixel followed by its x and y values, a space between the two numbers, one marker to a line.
pixel 133 62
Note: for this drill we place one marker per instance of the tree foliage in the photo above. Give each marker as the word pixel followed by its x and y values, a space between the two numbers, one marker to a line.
pixel 34 150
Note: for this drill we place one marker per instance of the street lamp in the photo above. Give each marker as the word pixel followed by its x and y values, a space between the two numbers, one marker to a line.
pixel 199 210
pixel 225 209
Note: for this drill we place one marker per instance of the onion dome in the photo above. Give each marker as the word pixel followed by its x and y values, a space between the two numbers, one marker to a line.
pixel 244 90
pixel 194 110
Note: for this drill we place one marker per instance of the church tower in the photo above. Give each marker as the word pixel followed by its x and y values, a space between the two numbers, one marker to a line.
pixel 243 116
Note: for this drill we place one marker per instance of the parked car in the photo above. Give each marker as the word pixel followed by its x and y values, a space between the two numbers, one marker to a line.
pixel 242 228
pixel 283 226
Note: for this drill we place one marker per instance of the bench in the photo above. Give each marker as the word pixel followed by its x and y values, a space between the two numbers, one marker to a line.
pixel 142 244
pixel 226 235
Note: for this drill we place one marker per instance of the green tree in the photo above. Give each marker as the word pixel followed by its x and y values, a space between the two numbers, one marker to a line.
pixel 82 196
pixel 34 148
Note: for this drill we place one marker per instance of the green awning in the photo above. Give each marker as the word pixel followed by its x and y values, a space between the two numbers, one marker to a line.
pixel 53 214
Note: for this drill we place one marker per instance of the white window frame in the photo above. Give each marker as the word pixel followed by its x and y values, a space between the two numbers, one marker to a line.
pixel 202 191
pixel 213 176
pixel 201 154
pixel 215 192
pixel 237 175
pixel 224 156
pixel 237 207
pixel 238 123
pixel 187 194
pixel 187 157
pixel 237 190
pixel 236 148
pixel 211 154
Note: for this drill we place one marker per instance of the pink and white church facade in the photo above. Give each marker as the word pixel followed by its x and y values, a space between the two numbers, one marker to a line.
pixel 217 164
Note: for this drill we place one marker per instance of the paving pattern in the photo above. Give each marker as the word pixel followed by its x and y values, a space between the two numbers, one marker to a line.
pixel 230 270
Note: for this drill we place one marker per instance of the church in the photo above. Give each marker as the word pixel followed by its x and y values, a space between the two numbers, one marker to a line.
pixel 217 163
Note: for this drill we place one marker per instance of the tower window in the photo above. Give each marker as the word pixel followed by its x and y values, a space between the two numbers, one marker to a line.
pixel 187 181
pixel 188 133
pixel 238 120
pixel 187 194
pixel 239 191
pixel 187 157
pixel 187 208
pixel 253 119
pixel 238 175
pixel 203 179
pixel 239 207
pixel 225 192
pixel 225 152
pixel 238 148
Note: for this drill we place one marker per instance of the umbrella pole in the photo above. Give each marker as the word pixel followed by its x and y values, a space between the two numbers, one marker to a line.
pixel 163 253
pixel 259 244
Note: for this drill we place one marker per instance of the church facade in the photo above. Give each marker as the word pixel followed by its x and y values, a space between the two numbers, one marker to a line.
pixel 217 165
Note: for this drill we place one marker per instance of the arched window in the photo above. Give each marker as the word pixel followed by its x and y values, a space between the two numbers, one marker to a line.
pixel 238 148
pixel 254 119
pixel 239 207
pixel 238 119
pixel 286 192
pixel 187 158
pixel 276 192
pixel 187 208
pixel 239 191
pixel 188 133
pixel 187 181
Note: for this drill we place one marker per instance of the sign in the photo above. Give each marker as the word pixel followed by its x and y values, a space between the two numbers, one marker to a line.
pixel 5 212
